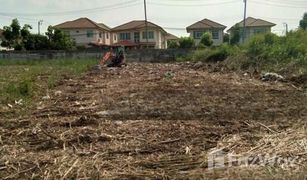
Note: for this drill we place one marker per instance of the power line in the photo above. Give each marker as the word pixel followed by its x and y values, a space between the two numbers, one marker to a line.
pixel 92 10
pixel 193 5
pixel 292 2
pixel 24 19
pixel 183 0
pixel 277 4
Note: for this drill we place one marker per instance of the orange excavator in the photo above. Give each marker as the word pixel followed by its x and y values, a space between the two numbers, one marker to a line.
pixel 117 60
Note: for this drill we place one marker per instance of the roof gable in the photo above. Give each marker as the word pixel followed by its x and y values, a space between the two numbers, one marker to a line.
pixel 170 36
pixel 81 23
pixel 104 26
pixel 136 25
pixel 206 24
pixel 253 22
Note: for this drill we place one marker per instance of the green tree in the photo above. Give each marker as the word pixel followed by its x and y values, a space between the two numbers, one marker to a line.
pixel 206 39
pixel 303 22
pixel 58 40
pixel 11 34
pixel 37 42
pixel 186 42
pixel 235 38
pixel 15 27
pixel 21 38
pixel 14 36
pixel 171 44
pixel 25 32
pixel 226 38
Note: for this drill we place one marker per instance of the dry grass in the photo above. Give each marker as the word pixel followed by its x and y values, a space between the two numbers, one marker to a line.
pixel 156 121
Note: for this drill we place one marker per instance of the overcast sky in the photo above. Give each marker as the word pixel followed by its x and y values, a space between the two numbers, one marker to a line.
pixel 173 15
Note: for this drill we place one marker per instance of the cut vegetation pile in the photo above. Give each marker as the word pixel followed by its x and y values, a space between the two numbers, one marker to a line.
pixel 155 121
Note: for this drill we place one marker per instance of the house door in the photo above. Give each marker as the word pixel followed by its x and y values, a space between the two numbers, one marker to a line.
pixel 136 37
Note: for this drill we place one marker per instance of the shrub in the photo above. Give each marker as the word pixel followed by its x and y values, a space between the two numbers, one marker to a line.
pixel 256 46
pixel 18 47
pixel 269 52
pixel 214 54
pixel 200 55
pixel 172 44
pixel 219 54
pixel 270 38
pixel 206 39
pixel 201 46
pixel 186 42
pixel 235 38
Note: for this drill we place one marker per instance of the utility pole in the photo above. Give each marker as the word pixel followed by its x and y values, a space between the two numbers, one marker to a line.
pixel 286 25
pixel 40 22
pixel 244 21
pixel 146 23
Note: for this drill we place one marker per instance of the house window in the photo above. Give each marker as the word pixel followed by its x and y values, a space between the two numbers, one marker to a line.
pixel 197 34
pixel 90 33
pixel 150 35
pixel 115 37
pixel 100 35
pixel 259 30
pixel 124 36
pixel 215 34
pixel 107 35
pixel 137 37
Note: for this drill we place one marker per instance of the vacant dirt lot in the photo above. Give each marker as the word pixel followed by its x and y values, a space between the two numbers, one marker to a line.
pixel 154 121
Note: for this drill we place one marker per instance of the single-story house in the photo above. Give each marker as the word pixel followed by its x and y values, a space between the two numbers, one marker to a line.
pixel 86 32
pixel 197 29
pixel 133 34
pixel 253 26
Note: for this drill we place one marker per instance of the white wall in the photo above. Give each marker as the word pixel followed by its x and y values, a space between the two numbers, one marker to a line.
pixel 252 31
pixel 80 36
pixel 159 37
pixel 216 42
pixel 114 38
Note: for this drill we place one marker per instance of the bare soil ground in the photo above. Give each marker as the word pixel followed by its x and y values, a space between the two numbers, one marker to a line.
pixel 151 121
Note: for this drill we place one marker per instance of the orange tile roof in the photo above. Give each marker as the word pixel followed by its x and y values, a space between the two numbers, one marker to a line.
pixel 82 23
pixel 253 22
pixel 139 24
pixel 205 24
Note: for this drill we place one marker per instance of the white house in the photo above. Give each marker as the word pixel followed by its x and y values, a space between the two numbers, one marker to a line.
pixel 133 34
pixel 253 26
pixel 197 29
pixel 86 32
